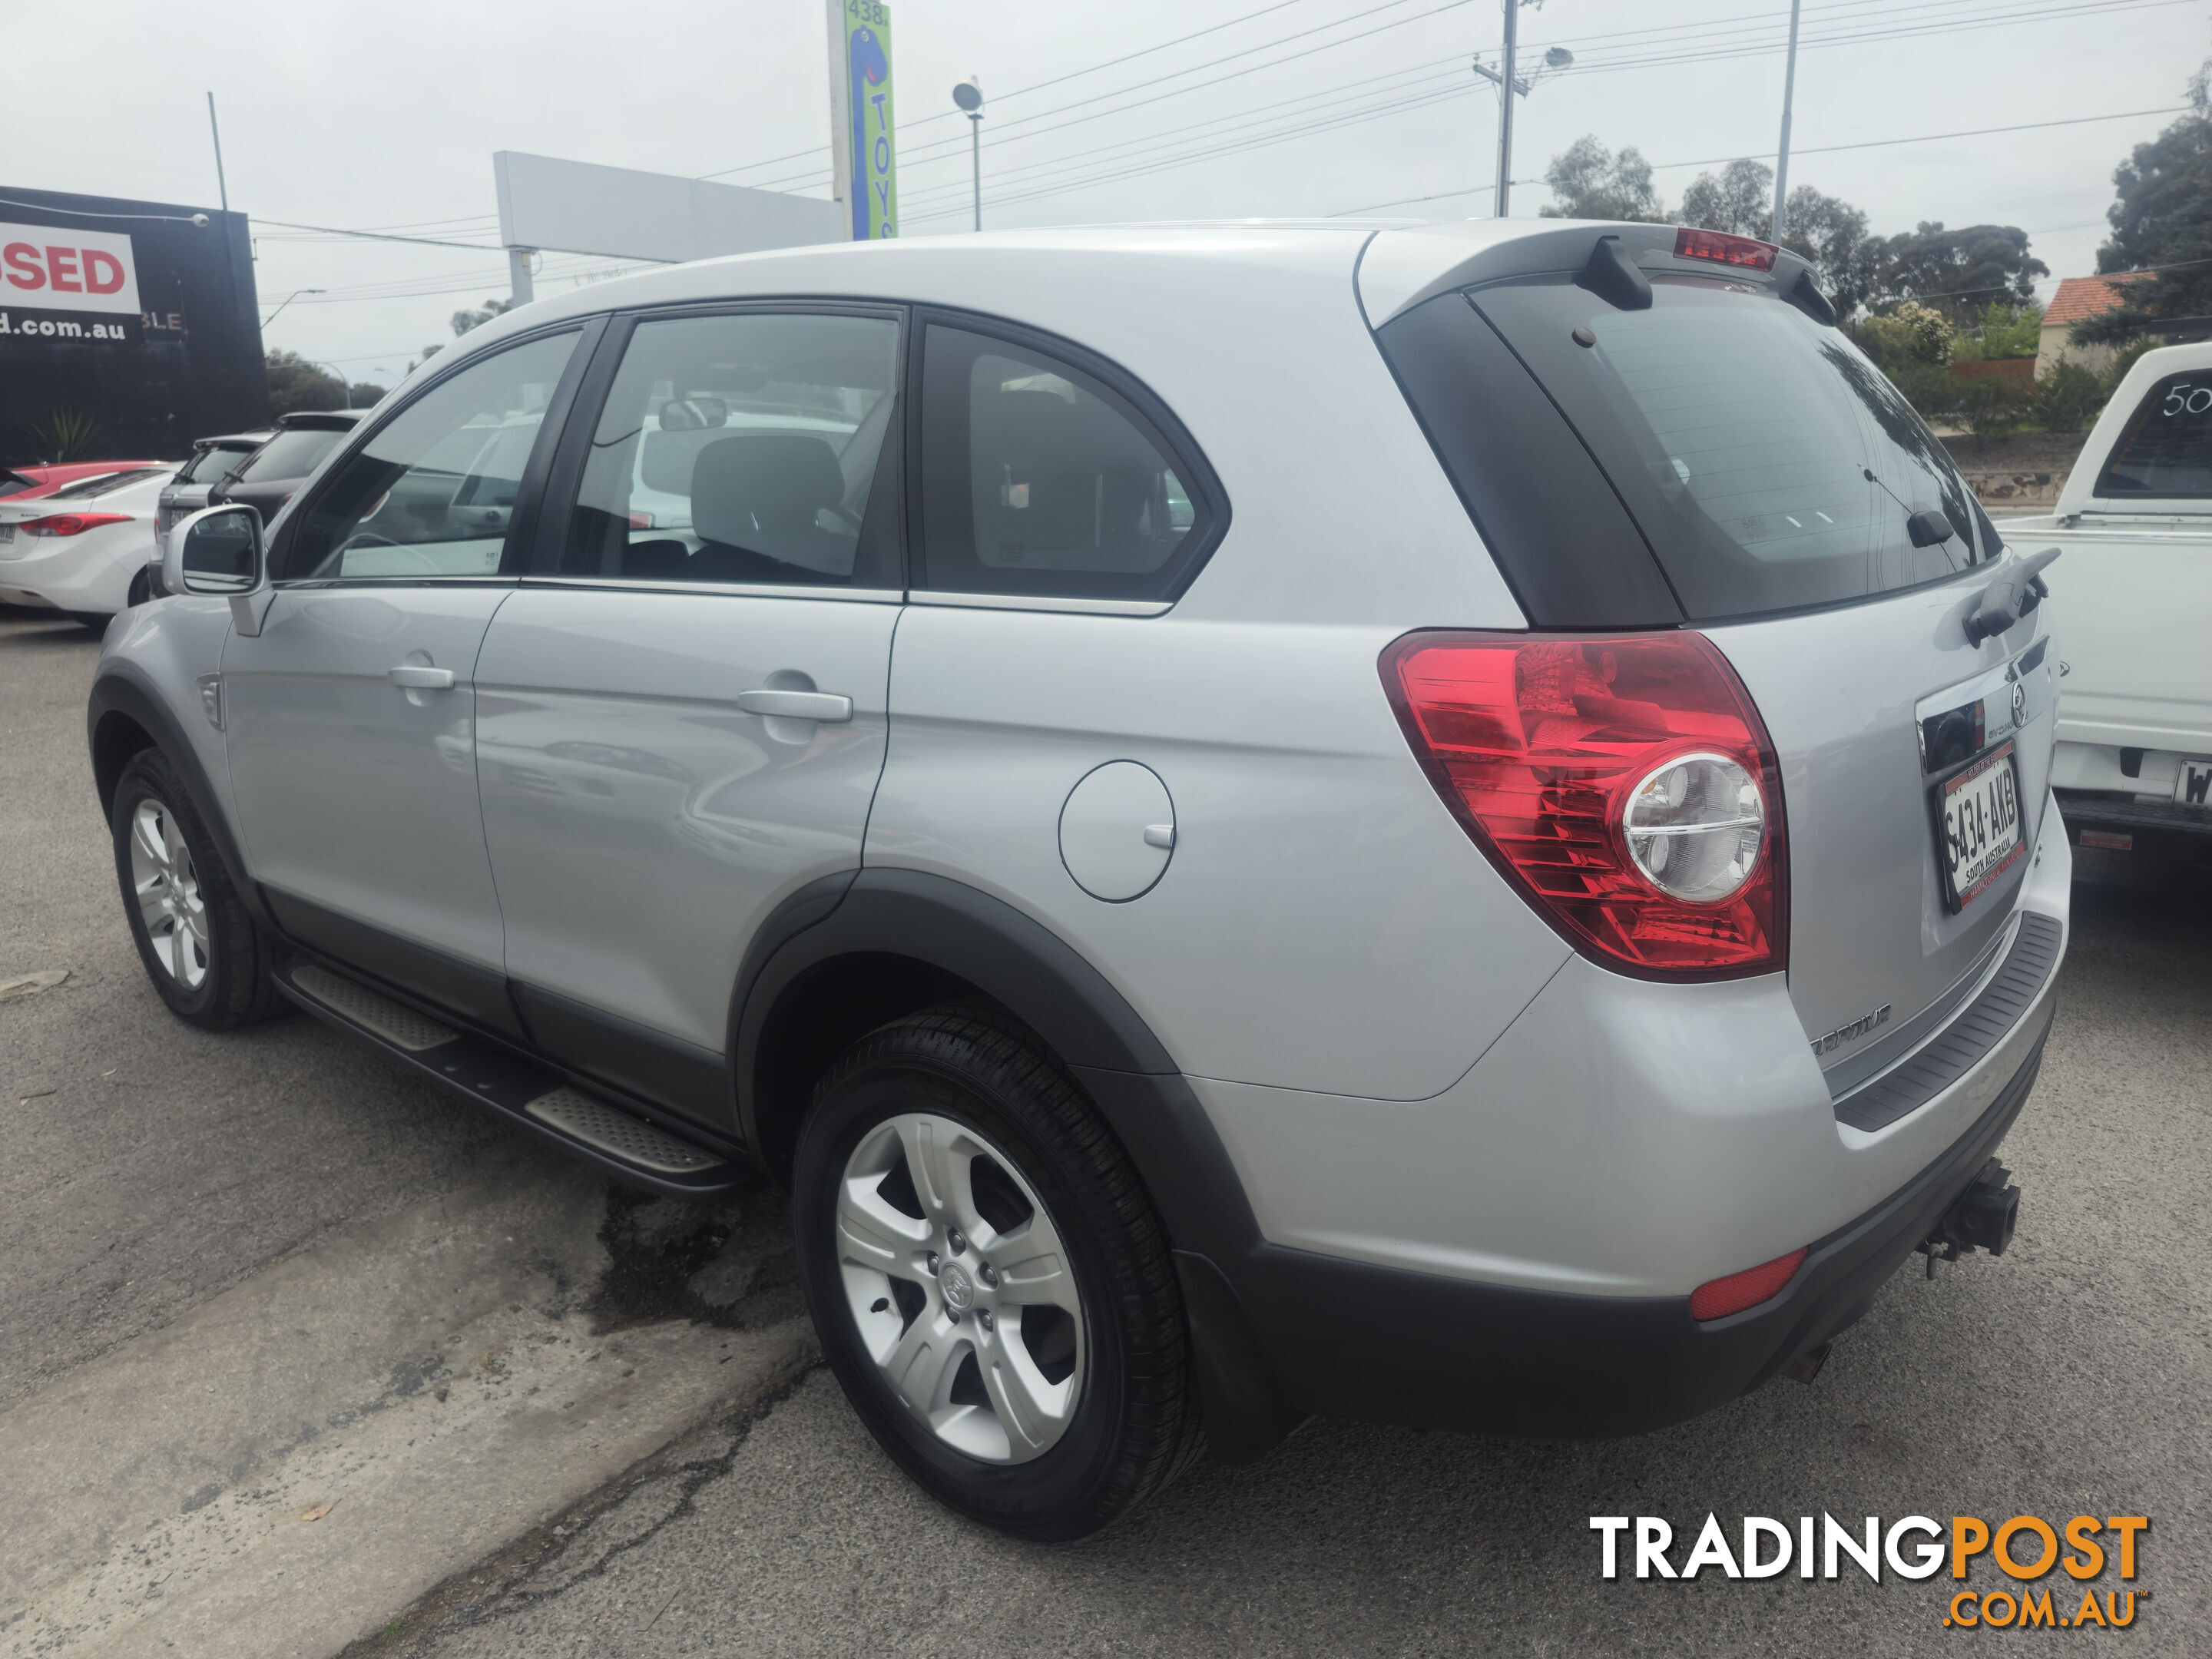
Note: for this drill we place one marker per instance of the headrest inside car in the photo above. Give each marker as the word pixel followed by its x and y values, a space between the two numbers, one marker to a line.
pixel 765 492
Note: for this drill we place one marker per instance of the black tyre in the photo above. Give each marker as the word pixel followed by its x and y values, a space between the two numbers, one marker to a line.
pixel 990 1279
pixel 141 588
pixel 97 621
pixel 207 959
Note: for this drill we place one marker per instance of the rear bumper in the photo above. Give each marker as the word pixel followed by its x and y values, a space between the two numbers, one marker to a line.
pixel 1348 1339
pixel 2123 823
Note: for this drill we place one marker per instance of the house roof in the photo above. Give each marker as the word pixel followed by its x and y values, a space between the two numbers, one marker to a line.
pixel 2080 298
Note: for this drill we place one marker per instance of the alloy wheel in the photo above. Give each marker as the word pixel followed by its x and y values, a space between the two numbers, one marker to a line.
pixel 167 890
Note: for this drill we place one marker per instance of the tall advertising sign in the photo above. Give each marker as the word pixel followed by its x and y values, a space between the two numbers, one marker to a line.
pixel 136 318
pixel 861 116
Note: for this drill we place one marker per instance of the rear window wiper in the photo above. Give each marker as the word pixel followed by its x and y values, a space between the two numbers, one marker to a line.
pixel 2018 590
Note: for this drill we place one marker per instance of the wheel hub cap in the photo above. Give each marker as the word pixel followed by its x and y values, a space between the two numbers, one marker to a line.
pixel 960 1288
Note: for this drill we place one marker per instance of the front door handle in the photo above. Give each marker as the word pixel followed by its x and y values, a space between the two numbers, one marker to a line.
pixel 420 676
pixel 824 706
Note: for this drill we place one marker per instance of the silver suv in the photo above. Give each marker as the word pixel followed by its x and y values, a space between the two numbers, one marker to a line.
pixel 1446 825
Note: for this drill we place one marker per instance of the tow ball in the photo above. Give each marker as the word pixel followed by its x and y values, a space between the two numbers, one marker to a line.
pixel 1980 1218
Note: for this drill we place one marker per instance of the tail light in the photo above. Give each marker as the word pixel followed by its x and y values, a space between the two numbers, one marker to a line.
pixel 71 524
pixel 1717 1298
pixel 1724 249
pixel 1625 786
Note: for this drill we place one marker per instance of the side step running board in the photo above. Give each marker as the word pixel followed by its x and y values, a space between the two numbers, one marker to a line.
pixel 536 1098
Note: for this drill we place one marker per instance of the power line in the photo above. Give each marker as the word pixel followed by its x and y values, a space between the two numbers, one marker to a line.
pixel 1822 150
pixel 1021 92
pixel 1075 166
pixel 382 236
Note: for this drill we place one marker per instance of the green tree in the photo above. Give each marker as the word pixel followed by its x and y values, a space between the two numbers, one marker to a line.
pixel 1739 200
pixel 1591 182
pixel 2002 331
pixel 2070 397
pixel 364 394
pixel 464 320
pixel 295 383
pixel 1959 269
pixel 1907 334
pixel 2161 220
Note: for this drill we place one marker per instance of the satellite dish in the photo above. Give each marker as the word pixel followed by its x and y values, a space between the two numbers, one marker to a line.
pixel 969 95
pixel 1558 57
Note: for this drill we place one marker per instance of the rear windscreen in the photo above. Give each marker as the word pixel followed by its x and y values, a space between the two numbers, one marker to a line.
pixel 289 454
pixel 2165 448
pixel 1763 461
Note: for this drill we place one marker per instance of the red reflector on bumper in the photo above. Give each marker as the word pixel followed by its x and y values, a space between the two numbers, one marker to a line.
pixel 1720 1297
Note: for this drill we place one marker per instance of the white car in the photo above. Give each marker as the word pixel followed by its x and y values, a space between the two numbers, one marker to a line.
pixel 82 551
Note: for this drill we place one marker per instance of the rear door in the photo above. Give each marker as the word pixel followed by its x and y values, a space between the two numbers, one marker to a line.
pixel 683 712
pixel 1756 477
pixel 350 718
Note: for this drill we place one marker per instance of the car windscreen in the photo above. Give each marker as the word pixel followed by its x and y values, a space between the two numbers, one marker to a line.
pixel 1766 464
pixel 2165 451
pixel 14 484
pixel 83 489
pixel 290 454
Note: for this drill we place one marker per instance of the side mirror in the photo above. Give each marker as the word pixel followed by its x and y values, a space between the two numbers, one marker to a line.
pixel 215 551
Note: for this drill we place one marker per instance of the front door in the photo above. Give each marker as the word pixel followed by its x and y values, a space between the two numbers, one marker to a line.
pixel 682 718
pixel 350 718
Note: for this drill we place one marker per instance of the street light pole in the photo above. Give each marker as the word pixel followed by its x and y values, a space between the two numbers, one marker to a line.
pixel 287 299
pixel 1788 90
pixel 969 95
pixel 1505 106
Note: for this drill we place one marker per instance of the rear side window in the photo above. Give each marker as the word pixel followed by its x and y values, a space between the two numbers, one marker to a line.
pixel 1039 478
pixel 2165 448
pixel 1763 461
pixel 746 448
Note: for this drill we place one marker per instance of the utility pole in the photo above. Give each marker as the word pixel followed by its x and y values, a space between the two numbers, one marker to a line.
pixel 1505 90
pixel 215 132
pixel 521 291
pixel 1788 90
pixel 969 95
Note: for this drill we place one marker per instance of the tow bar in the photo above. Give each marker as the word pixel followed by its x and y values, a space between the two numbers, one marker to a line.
pixel 1980 1218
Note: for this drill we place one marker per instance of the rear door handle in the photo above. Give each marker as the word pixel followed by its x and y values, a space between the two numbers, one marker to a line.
pixel 824 706
pixel 418 677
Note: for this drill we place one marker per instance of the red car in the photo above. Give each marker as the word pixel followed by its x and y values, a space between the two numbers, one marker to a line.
pixel 24 483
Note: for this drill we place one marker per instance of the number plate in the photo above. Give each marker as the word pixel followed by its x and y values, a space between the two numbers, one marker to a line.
pixel 7 534
pixel 2194 786
pixel 1978 828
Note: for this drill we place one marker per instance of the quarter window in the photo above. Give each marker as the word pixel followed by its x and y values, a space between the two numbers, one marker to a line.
pixel 2166 449
pixel 745 448
pixel 1040 479
pixel 432 493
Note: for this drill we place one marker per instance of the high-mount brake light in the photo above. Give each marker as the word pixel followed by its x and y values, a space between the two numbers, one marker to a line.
pixel 71 524
pixel 1718 244
pixel 1625 785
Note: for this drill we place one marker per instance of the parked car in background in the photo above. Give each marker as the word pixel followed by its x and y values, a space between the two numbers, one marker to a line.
pixel 25 484
pixel 85 549
pixel 295 445
pixel 212 458
pixel 1448 826
pixel 2134 588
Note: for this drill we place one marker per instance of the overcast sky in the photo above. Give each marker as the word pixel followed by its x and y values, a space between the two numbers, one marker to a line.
pixel 381 114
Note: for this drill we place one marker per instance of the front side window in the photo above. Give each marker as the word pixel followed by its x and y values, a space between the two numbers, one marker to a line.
pixel 1039 479
pixel 431 494
pixel 2165 451
pixel 745 448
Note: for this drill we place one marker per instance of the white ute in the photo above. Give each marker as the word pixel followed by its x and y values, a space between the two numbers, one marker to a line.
pixel 2133 766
